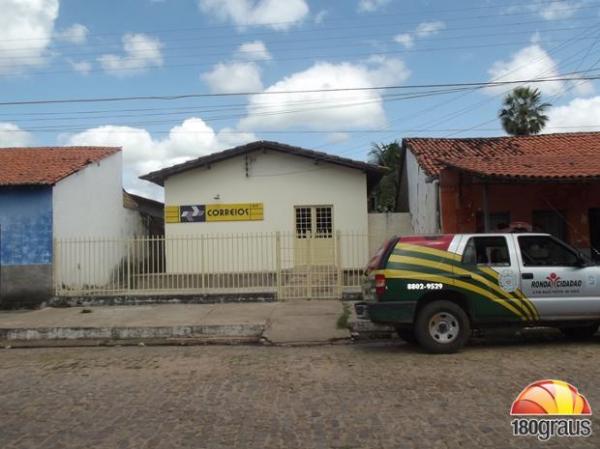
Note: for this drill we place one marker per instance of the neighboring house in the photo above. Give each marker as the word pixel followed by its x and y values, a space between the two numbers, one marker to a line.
pixel 549 181
pixel 144 216
pixel 265 187
pixel 53 193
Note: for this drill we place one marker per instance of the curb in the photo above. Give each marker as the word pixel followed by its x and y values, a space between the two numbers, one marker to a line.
pixel 73 334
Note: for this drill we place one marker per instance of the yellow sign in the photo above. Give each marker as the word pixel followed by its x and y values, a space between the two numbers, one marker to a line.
pixel 234 212
pixel 172 214
pixel 200 213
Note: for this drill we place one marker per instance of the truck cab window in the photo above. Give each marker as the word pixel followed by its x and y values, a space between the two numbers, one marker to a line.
pixel 491 251
pixel 543 251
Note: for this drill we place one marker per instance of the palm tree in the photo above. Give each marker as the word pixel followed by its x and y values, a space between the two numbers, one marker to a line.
pixel 523 112
pixel 387 194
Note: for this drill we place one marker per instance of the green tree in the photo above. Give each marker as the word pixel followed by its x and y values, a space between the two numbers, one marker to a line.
pixel 387 194
pixel 522 113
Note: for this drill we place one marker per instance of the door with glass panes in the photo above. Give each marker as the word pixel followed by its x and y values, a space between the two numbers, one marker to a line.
pixel 314 243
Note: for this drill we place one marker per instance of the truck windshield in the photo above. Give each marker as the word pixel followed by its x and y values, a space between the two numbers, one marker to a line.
pixel 546 251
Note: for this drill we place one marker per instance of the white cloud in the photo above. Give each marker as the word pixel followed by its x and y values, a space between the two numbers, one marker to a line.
pixel 13 136
pixel 75 34
pixel 276 14
pixel 242 74
pixel 234 77
pixel 327 110
pixel 423 30
pixel 555 10
pixel 580 114
pixel 83 67
pixel 337 138
pixel 583 88
pixel 320 16
pixel 405 39
pixel 142 153
pixel 26 28
pixel 371 5
pixel 531 62
pixel 141 51
pixel 254 51
pixel 426 29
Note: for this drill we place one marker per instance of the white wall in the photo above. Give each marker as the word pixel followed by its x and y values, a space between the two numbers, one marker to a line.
pixel 279 181
pixel 422 198
pixel 383 226
pixel 89 204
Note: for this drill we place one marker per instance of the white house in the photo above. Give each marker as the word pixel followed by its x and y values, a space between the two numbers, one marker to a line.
pixel 265 187
pixel 48 194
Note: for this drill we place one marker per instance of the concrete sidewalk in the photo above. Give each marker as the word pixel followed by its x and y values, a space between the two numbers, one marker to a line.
pixel 292 322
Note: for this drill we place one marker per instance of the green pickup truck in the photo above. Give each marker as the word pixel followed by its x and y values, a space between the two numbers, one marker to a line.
pixel 436 289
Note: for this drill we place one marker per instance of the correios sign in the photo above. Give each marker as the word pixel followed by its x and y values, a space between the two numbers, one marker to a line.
pixel 201 213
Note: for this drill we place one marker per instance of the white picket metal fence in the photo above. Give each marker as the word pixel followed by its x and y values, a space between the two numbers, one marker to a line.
pixel 285 264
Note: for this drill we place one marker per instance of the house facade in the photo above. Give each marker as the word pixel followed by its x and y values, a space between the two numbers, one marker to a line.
pixel 265 187
pixel 53 193
pixel 551 183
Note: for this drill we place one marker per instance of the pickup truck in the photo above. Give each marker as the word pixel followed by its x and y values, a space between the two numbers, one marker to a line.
pixel 435 290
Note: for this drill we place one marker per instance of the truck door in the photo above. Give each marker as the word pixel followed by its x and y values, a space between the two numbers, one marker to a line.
pixel 489 274
pixel 555 280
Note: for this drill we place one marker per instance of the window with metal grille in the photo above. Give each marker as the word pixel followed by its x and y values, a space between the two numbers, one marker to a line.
pixel 316 221
pixel 324 222
pixel 303 221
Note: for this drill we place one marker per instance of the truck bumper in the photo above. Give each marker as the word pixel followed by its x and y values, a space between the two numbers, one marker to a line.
pixel 401 312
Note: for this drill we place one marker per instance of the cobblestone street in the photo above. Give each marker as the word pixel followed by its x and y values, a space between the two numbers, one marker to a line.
pixel 346 396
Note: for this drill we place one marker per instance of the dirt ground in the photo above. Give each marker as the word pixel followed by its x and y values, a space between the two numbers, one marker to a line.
pixel 367 395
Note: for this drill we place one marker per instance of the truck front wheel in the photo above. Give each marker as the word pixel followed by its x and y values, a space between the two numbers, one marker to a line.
pixel 442 327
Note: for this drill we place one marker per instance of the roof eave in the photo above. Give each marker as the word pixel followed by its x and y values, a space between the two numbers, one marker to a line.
pixel 158 177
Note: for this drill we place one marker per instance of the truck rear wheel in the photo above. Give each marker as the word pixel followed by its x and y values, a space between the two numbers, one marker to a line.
pixel 442 327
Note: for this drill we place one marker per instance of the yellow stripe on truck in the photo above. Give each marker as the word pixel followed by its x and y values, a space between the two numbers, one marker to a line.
pixel 460 271
pixel 517 292
pixel 406 274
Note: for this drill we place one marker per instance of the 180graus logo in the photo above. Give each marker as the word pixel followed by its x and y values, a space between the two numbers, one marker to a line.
pixel 551 408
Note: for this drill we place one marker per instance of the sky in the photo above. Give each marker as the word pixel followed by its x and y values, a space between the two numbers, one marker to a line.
pixel 265 69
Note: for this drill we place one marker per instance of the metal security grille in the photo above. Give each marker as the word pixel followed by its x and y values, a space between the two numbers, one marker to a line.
pixel 314 220
pixel 303 221
pixel 290 265
pixel 324 222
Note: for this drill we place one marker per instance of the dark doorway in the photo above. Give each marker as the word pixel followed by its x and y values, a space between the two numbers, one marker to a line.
pixel 497 221
pixel 550 221
pixel 594 220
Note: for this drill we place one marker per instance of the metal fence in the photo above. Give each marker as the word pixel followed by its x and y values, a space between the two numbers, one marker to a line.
pixel 285 264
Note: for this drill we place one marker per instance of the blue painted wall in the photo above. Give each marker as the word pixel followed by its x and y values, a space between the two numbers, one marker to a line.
pixel 25 226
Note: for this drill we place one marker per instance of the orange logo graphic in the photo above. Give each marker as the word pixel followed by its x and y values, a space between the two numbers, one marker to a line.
pixel 550 397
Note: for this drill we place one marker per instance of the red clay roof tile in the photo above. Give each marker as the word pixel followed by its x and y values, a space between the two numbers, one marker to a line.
pixel 566 156
pixel 46 165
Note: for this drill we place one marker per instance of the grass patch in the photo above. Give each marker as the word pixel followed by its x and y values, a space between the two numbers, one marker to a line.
pixel 342 321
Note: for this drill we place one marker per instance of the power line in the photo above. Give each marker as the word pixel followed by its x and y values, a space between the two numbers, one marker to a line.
pixel 319 39
pixel 361 19
pixel 287 92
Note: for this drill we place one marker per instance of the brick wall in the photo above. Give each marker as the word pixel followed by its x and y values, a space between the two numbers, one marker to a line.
pixel 461 198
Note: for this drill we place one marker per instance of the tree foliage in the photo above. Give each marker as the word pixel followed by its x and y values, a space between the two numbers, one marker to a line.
pixel 522 113
pixel 387 195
